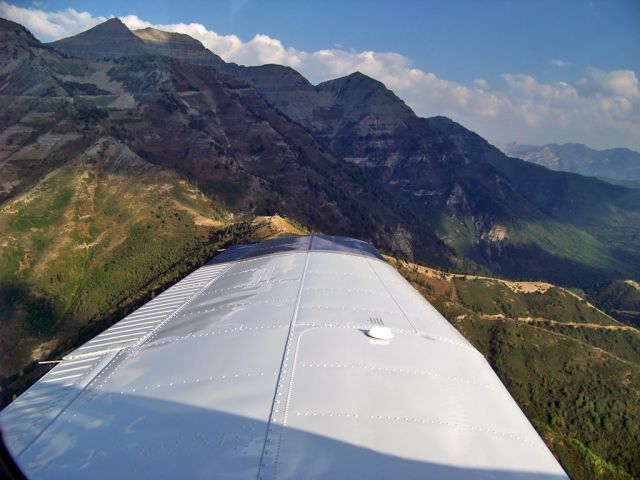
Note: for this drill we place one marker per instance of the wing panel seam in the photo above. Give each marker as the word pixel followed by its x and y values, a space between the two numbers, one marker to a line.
pixel 279 384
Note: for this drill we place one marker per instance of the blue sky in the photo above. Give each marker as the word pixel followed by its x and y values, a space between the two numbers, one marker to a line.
pixel 531 71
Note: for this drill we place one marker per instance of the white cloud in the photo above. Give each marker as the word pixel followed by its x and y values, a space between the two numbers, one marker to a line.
pixel 601 109
pixel 50 25
pixel 623 83
pixel 556 62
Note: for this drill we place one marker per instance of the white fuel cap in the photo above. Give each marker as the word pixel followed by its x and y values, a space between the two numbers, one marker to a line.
pixel 380 332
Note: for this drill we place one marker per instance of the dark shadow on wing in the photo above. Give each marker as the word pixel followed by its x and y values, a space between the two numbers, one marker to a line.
pixel 129 436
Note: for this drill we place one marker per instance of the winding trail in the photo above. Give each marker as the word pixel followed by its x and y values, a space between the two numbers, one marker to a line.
pixel 530 323
pixel 595 326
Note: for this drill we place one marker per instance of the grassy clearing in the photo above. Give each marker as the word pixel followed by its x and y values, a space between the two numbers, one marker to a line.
pixel 87 242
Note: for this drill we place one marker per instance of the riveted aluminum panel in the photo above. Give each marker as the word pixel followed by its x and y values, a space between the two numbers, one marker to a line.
pixel 334 385
pixel 146 319
pixel 25 419
pixel 258 366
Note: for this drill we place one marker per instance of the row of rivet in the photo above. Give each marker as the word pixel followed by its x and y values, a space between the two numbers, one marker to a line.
pixel 106 373
pixel 277 301
pixel 207 333
pixel 268 282
pixel 341 290
pixel 401 371
pixel 351 309
pixel 132 351
pixel 428 421
pixel 277 421
pixel 342 274
pixel 230 376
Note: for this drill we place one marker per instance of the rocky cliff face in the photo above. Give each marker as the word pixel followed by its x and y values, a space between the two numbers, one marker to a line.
pixel 361 121
pixel 177 45
pixel 462 186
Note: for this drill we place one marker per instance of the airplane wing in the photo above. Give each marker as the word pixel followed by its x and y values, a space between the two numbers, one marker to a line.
pixel 300 357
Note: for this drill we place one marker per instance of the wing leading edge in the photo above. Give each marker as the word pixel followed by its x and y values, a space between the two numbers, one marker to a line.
pixel 258 365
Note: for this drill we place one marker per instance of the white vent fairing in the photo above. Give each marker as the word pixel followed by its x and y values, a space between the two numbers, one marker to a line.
pixel 264 369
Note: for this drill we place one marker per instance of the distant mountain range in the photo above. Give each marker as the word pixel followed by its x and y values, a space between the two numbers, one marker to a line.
pixel 616 163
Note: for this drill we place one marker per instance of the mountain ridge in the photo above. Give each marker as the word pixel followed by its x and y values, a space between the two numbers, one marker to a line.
pixel 612 163
pixel 139 99
pixel 481 204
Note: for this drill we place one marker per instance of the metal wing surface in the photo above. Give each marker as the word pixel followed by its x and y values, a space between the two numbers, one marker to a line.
pixel 259 365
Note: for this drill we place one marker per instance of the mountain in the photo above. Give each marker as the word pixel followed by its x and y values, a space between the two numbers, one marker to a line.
pixel 504 214
pixel 90 239
pixel 213 129
pixel 594 220
pixel 112 39
pixel 615 163
pixel 476 203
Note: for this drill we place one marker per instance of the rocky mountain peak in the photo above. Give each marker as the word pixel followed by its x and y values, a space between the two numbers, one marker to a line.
pixel 112 39
pixel 177 45
pixel 113 26
pixel 280 72
pixel 108 39
pixel 358 93
pixel 18 47
pixel 12 33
